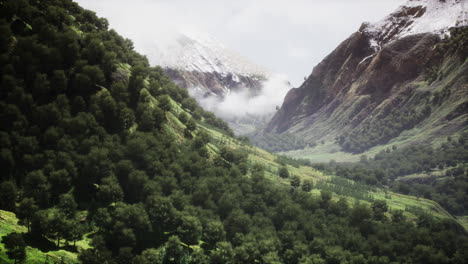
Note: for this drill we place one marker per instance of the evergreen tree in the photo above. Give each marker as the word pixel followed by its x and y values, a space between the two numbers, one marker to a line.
pixel 15 246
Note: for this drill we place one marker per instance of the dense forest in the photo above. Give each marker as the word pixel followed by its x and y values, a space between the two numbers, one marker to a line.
pixel 85 150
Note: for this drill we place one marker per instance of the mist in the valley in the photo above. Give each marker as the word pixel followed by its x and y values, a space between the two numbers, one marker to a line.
pixel 237 104
pixel 288 45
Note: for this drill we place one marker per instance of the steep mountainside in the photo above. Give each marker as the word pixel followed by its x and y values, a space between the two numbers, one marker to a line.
pixel 217 77
pixel 399 79
pixel 105 160
pixel 204 65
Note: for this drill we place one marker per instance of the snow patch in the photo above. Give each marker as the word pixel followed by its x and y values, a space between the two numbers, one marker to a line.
pixel 202 53
pixel 419 16
pixel 366 58
pixel 374 45
pixel 235 78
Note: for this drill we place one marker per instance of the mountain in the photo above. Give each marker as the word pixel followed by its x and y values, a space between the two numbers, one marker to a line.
pixel 219 78
pixel 105 160
pixel 399 81
pixel 205 66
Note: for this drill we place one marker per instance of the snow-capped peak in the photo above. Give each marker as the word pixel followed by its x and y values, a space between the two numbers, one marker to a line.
pixel 419 16
pixel 202 53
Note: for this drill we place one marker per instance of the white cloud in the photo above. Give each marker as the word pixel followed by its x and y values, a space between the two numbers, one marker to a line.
pixel 272 94
pixel 297 52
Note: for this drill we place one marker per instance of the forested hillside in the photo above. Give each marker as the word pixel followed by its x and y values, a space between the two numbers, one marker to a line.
pixel 105 160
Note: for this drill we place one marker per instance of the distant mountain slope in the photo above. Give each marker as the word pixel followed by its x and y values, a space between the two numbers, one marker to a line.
pixel 105 160
pixel 216 76
pixel 201 63
pixel 416 17
pixel 242 93
pixel 393 79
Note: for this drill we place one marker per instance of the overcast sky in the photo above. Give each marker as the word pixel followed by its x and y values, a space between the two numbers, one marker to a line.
pixel 285 36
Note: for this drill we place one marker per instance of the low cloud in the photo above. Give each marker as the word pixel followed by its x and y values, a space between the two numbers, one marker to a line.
pixel 241 103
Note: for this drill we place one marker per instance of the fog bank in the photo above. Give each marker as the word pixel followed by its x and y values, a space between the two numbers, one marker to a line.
pixel 241 103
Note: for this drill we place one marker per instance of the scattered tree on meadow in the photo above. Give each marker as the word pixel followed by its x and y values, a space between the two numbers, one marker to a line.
pixel 283 172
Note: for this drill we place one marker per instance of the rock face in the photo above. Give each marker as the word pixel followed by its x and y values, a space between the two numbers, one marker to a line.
pixel 220 80
pixel 379 82
pixel 200 62
pixel 214 83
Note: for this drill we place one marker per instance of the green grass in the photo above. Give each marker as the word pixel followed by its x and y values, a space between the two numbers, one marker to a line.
pixel 322 153
pixel 124 67
pixel 395 201
pixel 433 130
pixel 9 223
pixel 437 173
pixel 463 220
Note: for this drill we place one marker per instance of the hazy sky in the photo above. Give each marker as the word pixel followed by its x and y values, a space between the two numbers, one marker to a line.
pixel 285 36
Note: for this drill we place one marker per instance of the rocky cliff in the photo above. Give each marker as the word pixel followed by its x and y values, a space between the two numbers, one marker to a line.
pixel 201 63
pixel 403 77
pixel 214 83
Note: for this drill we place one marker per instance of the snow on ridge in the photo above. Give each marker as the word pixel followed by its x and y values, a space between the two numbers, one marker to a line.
pixel 203 53
pixel 419 16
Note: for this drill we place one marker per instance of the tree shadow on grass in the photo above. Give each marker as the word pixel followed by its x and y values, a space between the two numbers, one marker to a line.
pixel 70 248
pixel 45 245
pixel 42 243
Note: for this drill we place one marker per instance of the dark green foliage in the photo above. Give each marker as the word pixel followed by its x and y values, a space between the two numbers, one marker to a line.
pixel 283 172
pixel 191 125
pixel 307 186
pixel 8 195
pixel 79 134
pixel 183 117
pixel 283 160
pixel 379 208
pixel 151 119
pixel 109 191
pixel 15 246
pixel 164 103
pixel 295 181
pixel 26 210
pixel 67 205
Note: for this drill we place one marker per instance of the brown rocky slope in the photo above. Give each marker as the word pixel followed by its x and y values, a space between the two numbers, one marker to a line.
pixel 374 88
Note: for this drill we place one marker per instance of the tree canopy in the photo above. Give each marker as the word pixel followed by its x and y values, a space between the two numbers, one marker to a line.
pixel 86 146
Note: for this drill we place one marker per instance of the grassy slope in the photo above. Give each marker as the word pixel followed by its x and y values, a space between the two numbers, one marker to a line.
pixel 260 156
pixel 433 129
pixel 9 223
pixel 463 220
pixel 321 153
pixel 394 200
